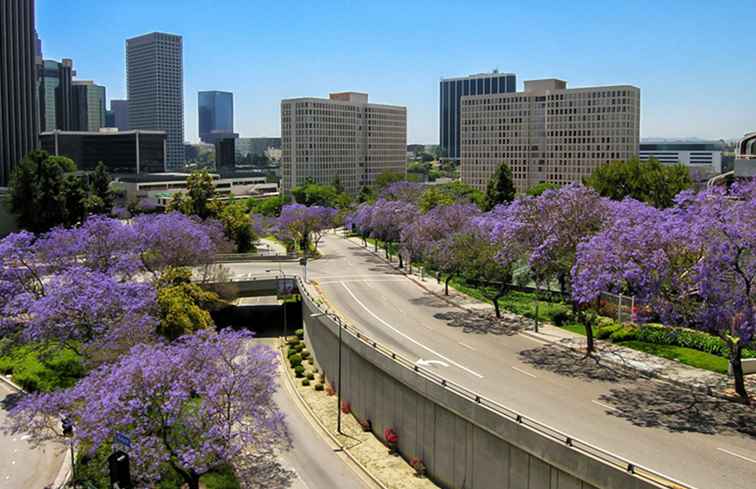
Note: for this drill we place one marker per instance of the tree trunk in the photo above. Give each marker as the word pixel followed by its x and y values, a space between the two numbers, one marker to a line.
pixel 737 370
pixel 386 249
pixel 401 263
pixel 588 335
pixel 376 245
pixel 446 284
pixel 562 278
pixel 496 298
pixel 193 481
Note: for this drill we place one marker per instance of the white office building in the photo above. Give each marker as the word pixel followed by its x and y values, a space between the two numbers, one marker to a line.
pixel 702 157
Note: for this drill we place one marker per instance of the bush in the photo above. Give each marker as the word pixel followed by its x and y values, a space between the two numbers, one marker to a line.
pixel 319 387
pixel 305 382
pixel 560 318
pixel 295 361
pixel 696 340
pixel 293 341
pixel 299 333
pixel 305 354
pixel 291 351
pixel 607 330
pixel 603 321
pixel 299 371
pixel 625 333
pixel 44 369
pixel 299 347
pixel 311 376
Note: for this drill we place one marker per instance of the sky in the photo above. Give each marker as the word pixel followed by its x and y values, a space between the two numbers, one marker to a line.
pixel 692 60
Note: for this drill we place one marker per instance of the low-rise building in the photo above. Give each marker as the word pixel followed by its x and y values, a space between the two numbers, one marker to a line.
pixel 701 157
pixel 123 153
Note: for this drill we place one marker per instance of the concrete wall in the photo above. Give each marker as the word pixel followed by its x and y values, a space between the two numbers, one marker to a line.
pixel 464 444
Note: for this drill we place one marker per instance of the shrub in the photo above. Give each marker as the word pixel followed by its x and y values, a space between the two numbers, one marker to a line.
pixel 291 351
pixel 305 382
pixel 419 466
pixel 293 341
pixel 299 333
pixel 299 371
pixel 367 425
pixel 315 370
pixel 299 347
pixel 392 439
pixel 602 321
pixel 319 387
pixel 295 361
pixel 625 333
pixel 607 330
pixel 560 318
pixel 311 376
pixel 346 408
pixel 305 354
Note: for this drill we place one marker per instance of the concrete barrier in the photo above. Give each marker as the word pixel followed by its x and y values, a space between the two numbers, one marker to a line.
pixel 749 366
pixel 465 440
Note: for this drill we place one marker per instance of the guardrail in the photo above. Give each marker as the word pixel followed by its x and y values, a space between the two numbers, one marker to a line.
pixel 638 470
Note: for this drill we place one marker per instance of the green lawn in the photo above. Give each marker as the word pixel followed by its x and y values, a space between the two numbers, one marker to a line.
pixel 45 369
pixel 688 356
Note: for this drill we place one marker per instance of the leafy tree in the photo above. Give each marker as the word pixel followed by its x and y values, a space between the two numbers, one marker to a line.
pixel 198 404
pixel 338 186
pixel 237 226
pixel 541 187
pixel 101 188
pixel 366 194
pixel 200 190
pixel 388 218
pixel 449 194
pixel 647 181
pixel 184 306
pixel 500 188
pixel 75 200
pixel 321 195
pixel 179 202
pixel 387 178
pixel 303 226
pixel 269 206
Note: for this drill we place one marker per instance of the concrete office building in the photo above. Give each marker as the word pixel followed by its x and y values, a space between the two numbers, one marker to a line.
pixel 19 111
pixel 451 92
pixel 704 158
pixel 343 136
pixel 120 110
pixel 123 153
pixel 155 86
pixel 56 95
pixel 215 111
pixel 548 133
pixel 88 106
pixel 256 146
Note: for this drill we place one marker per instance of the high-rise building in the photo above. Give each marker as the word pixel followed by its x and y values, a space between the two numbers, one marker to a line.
pixel 216 114
pixel 155 86
pixel 88 106
pixel 342 137
pixel 120 110
pixel 56 95
pixel 548 133
pixel 19 111
pixel 451 92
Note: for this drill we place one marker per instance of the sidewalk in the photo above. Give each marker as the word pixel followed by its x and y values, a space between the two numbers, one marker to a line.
pixel 648 365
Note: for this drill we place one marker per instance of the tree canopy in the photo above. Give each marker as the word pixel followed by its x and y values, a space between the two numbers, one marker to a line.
pixel 500 188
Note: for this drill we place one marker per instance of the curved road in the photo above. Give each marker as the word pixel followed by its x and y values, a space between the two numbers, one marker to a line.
pixel 693 438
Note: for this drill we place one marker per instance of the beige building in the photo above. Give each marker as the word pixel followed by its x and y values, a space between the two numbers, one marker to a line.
pixel 343 136
pixel 547 133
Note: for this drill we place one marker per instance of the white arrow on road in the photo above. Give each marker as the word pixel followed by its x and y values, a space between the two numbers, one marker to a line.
pixel 429 363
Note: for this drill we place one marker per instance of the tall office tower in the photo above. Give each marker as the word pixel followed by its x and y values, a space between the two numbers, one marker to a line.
pixel 451 92
pixel 120 110
pixel 19 111
pixel 56 95
pixel 216 115
pixel 548 133
pixel 88 106
pixel 343 136
pixel 155 87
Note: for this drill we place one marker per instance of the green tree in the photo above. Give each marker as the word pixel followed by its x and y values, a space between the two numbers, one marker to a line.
pixel 648 181
pixel 448 194
pixel 500 188
pixel 75 199
pixel 541 187
pixel 366 194
pixel 237 226
pixel 101 188
pixel 179 202
pixel 387 178
pixel 324 195
pixel 200 190
pixel 269 206
pixel 337 185
pixel 184 306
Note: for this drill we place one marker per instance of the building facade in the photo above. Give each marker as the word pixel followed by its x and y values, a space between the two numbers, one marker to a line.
pixel 88 106
pixel 19 111
pixel 56 95
pixel 451 92
pixel 155 86
pixel 548 133
pixel 342 137
pixel 215 111
pixel 120 110
pixel 123 153
pixel 255 146
pixel 703 158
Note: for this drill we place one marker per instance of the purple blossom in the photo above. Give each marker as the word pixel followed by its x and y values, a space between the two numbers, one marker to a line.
pixel 303 225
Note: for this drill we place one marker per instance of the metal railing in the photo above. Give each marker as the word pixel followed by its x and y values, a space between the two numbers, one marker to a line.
pixel 605 456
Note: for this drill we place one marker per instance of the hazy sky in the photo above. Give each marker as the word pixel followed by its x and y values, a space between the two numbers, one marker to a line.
pixel 693 61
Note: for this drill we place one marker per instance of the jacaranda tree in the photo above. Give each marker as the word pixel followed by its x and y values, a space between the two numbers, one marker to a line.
pixel 304 226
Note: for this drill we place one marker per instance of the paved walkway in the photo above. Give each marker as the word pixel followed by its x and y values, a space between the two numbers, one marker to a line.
pixel 647 364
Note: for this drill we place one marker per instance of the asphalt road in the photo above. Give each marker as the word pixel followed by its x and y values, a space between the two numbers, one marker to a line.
pixel 699 440
pixel 21 465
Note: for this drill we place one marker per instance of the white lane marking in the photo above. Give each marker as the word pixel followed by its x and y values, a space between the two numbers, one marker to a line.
pixel 737 455
pixel 407 337
pixel 605 406
pixel 429 363
pixel 467 346
pixel 524 372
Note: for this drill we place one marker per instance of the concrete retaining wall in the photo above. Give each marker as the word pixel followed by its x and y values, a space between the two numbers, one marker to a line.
pixel 464 444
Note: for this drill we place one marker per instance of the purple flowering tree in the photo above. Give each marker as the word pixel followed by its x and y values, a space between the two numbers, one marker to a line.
pixel 197 404
pixel 388 218
pixel 404 191
pixel 359 222
pixel 304 226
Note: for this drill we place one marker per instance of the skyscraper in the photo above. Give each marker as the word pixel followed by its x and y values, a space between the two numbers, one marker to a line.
pixel 342 137
pixel 56 95
pixel 547 133
pixel 155 87
pixel 120 110
pixel 88 106
pixel 452 90
pixel 216 114
pixel 19 112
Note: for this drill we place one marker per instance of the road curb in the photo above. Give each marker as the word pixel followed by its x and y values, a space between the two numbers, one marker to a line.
pixel 303 404
pixel 11 384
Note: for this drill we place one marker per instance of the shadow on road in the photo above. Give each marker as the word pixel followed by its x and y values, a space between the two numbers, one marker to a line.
pixel 571 364
pixel 474 324
pixel 657 405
